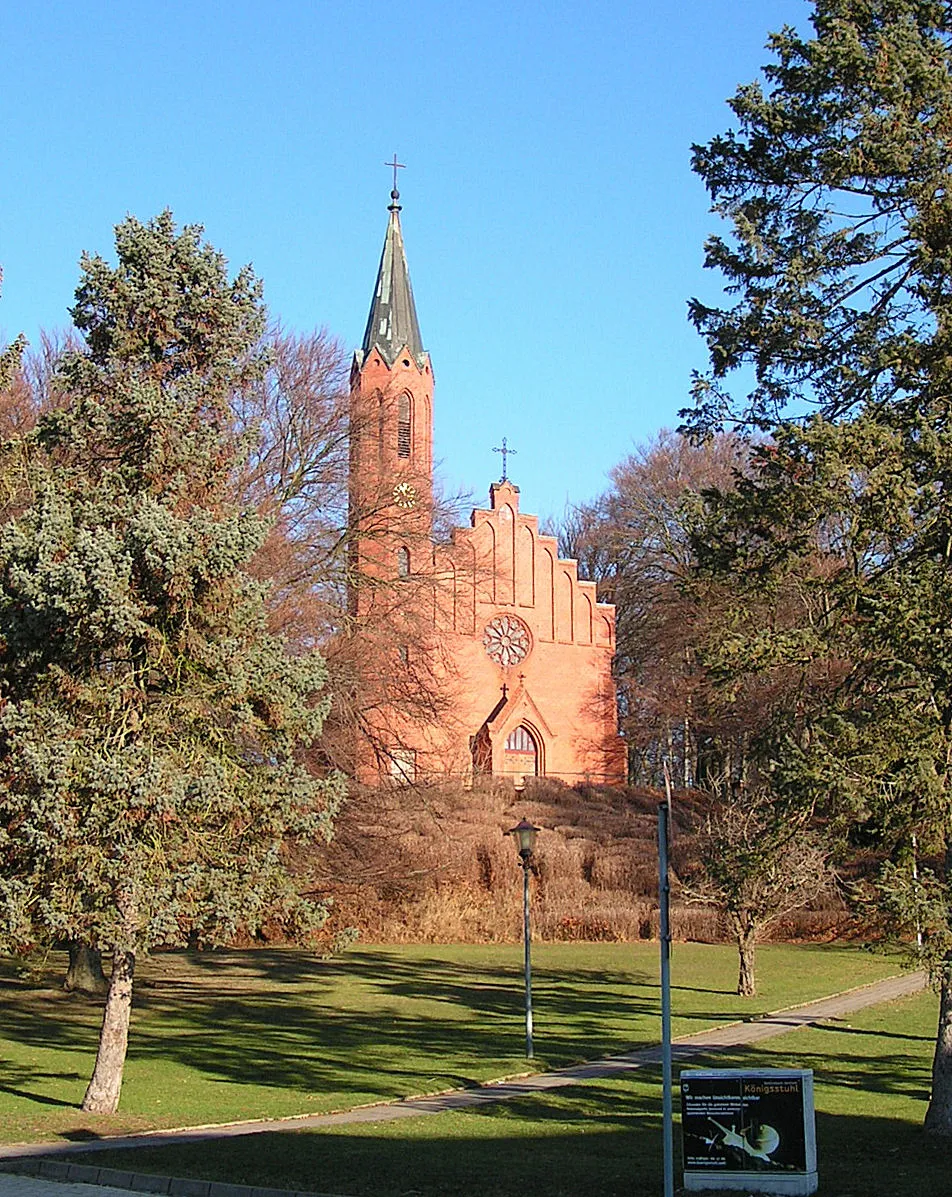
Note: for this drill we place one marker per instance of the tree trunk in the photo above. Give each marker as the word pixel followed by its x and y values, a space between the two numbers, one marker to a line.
pixel 102 1096
pixel 746 949
pixel 686 761
pixel 85 974
pixel 939 1113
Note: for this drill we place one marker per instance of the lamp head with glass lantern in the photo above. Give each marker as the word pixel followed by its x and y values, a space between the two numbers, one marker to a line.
pixel 525 836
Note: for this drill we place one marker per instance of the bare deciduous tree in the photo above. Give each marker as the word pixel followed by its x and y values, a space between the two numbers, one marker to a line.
pixel 634 542
pixel 757 863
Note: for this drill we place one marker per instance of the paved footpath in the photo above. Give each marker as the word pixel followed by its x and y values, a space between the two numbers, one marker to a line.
pixel 107 1182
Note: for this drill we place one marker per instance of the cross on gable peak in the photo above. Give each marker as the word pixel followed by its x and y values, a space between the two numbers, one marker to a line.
pixel 506 452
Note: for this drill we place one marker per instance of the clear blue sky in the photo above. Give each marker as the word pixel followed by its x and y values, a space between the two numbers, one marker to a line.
pixel 553 227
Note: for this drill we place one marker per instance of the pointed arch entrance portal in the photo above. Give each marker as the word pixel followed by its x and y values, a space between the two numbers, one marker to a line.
pixel 521 753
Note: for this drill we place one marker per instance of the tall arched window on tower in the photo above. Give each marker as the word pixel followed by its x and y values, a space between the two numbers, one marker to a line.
pixel 403 426
pixel 403 562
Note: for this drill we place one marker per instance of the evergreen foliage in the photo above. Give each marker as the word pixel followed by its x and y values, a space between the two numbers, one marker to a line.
pixel 153 732
pixel 836 187
pixel 840 267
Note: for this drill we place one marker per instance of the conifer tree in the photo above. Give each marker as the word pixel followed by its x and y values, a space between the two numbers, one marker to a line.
pixel 839 269
pixel 152 730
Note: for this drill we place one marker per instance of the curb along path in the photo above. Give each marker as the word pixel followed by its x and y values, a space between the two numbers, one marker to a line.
pixel 739 1034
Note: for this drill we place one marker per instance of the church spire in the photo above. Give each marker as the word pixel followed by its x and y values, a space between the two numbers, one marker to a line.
pixel 392 324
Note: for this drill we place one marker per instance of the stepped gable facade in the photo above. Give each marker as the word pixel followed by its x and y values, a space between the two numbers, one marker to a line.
pixel 514 649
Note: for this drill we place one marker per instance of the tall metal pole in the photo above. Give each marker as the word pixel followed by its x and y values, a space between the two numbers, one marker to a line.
pixel 664 894
pixel 527 938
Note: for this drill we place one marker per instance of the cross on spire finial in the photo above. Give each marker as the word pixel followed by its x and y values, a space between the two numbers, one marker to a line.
pixel 505 451
pixel 395 166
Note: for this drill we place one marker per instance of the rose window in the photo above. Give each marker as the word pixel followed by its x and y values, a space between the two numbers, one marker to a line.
pixel 506 640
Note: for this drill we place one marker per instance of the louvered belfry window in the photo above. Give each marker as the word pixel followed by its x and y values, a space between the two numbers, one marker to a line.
pixel 403 426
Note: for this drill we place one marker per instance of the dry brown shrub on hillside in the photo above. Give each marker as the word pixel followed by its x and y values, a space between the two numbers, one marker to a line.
pixel 431 864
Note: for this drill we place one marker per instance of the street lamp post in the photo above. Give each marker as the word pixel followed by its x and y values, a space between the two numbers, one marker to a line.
pixel 525 836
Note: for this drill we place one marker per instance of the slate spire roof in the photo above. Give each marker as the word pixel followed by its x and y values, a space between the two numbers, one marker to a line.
pixel 392 323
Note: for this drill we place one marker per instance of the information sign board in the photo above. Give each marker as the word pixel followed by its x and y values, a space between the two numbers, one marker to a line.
pixel 746 1124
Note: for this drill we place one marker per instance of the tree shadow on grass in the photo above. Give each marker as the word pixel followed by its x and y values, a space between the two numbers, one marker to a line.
pixel 371 1024
pixel 274 1021
pixel 597 1140
pixel 895 1073
pixel 13 1079
pixel 840 1027
pixel 489 1151
pixel 601 1137
pixel 697 989
pixel 420 1002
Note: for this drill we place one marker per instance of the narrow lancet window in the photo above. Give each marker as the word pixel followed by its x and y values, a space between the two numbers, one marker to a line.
pixel 403 426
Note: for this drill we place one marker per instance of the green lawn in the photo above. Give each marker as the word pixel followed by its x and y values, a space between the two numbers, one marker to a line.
pixel 227 1036
pixel 603 1137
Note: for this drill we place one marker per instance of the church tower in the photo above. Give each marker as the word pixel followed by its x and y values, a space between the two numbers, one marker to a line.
pixel 391 463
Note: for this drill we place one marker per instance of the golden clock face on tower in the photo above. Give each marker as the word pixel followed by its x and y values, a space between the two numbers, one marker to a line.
pixel 404 495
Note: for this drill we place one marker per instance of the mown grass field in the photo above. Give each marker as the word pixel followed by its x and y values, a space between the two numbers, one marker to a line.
pixel 223 1037
pixel 604 1137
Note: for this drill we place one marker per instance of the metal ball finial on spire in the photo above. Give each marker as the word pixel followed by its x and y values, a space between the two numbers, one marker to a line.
pixel 395 194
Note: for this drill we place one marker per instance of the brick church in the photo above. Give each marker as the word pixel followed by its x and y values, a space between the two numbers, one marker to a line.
pixel 485 653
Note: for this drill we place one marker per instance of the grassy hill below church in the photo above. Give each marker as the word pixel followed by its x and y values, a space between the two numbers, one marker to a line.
pixel 432 865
